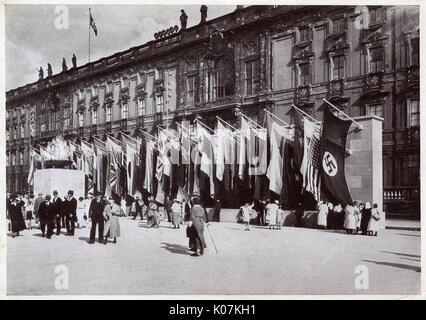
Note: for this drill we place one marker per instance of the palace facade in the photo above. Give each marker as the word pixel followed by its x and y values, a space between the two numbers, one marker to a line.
pixel 364 60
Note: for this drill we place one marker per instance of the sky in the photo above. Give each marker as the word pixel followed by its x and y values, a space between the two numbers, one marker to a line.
pixel 33 40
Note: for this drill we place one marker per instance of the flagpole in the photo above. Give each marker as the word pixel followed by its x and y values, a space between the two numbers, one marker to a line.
pixel 303 112
pixel 205 126
pixel 332 105
pixel 89 34
pixel 229 125
pixel 282 121
pixel 257 125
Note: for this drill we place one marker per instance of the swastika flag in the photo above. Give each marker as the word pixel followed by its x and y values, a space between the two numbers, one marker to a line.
pixel 332 159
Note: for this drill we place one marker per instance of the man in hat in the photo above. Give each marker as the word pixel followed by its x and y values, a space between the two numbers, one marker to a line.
pixel 57 211
pixel 46 217
pixel 71 213
pixel 96 214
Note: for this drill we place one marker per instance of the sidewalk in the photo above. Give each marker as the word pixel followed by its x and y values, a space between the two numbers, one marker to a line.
pixel 397 224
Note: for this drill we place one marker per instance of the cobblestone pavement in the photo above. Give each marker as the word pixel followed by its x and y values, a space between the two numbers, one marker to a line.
pixel 261 261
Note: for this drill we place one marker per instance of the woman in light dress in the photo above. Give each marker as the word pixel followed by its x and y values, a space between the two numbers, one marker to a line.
pixel 322 215
pixel 350 219
pixel 112 225
pixel 176 213
pixel 373 224
pixel 81 213
pixel 271 214
pixel 246 211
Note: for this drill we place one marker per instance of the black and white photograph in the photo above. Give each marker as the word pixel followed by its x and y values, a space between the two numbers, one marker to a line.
pixel 213 149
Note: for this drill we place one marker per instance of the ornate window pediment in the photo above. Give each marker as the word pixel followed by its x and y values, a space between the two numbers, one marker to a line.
pixel 140 92
pixel 124 96
pixel 336 45
pixel 374 38
pixel 81 106
pixel 108 101
pixel 94 104
pixel 158 88
pixel 303 54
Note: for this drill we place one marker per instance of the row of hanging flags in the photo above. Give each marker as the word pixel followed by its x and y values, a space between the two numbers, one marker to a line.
pixel 182 162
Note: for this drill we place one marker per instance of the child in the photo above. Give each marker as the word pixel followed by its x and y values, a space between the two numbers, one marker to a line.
pixel 246 210
pixel 29 208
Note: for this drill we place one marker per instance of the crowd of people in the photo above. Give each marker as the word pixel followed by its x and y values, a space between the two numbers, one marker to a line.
pixel 355 219
pixel 101 215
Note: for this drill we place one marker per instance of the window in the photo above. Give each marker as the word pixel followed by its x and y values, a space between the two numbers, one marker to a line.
pixel 304 74
pixel 252 77
pixel 159 101
pixel 338 67
pixel 338 25
pixel 375 109
pixel 108 117
pixel 43 123
pixel 66 118
pixel 81 119
pixel 190 90
pixel 21 158
pixel 304 35
pixel 413 115
pixel 415 51
pixel 13 159
pixel 94 116
pixel 124 111
pixel 376 59
pixel 376 15
pixel 141 107
pixel 15 132
pixel 22 126
pixel 410 167
pixel 218 84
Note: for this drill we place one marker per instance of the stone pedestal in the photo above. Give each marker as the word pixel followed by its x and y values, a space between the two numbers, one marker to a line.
pixel 364 167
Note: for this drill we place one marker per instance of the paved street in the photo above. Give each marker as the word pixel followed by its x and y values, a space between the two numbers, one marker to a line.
pixel 260 261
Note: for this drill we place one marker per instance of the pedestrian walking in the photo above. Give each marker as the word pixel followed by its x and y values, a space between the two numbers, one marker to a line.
pixel 365 218
pixel 81 213
pixel 112 224
pixel 196 230
pixel 176 211
pixel 57 208
pixel 373 224
pixel 271 214
pixel 350 219
pixel 47 217
pixel 96 215
pixel 16 215
pixel 322 215
pixel 71 213
pixel 37 203
pixel 153 216
pixel 29 208
pixel 246 211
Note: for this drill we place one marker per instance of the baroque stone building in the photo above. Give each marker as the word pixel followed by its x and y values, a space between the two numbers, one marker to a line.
pixel 365 60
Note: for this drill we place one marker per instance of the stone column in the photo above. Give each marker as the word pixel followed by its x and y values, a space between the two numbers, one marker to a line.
pixel 364 167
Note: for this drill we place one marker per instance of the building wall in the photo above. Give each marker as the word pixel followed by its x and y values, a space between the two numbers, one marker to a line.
pixel 275 41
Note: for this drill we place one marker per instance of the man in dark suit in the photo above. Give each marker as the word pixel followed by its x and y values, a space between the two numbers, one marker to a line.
pixel 71 211
pixel 37 203
pixel 96 214
pixel 46 217
pixel 57 211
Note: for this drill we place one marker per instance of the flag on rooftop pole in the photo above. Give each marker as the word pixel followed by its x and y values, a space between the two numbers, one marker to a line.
pixel 92 23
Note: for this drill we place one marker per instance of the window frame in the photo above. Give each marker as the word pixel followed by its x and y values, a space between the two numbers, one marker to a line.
pixel 372 55
pixel 81 120
pixel 340 68
pixel 307 77
pixel 410 113
pixel 253 78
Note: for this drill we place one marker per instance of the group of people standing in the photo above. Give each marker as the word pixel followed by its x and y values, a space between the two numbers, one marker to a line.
pixel 269 213
pixel 355 219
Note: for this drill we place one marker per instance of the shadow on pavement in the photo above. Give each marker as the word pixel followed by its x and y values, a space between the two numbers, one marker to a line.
pixel 402 254
pixel 409 235
pixel 396 265
pixel 86 239
pixel 38 235
pixel 175 248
